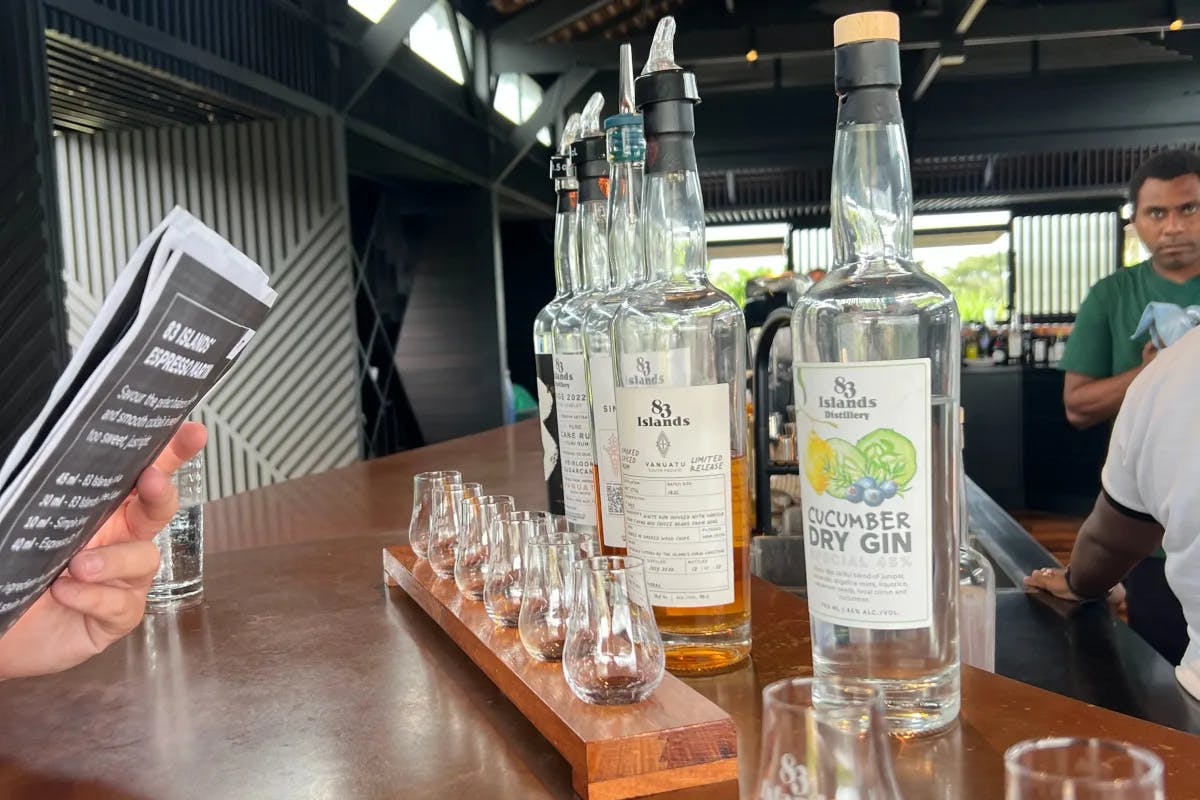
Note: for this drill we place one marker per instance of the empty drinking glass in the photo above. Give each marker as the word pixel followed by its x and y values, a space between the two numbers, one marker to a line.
pixel 1081 769
pixel 613 653
pixel 502 583
pixel 470 556
pixel 177 584
pixel 424 484
pixel 446 526
pixel 824 739
pixel 546 590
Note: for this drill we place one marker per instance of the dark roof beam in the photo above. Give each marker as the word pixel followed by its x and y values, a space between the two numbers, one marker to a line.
pixel 544 18
pixel 561 92
pixel 993 25
pixel 378 46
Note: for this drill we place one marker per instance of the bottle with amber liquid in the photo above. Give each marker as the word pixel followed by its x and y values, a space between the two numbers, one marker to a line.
pixel 679 347
pixel 626 156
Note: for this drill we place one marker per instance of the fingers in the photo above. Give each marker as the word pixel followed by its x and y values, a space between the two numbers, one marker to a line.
pixel 129 563
pixel 112 610
pixel 187 442
pixel 152 508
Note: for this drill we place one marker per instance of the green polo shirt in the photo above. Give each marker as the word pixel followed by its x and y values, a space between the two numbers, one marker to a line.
pixel 1099 345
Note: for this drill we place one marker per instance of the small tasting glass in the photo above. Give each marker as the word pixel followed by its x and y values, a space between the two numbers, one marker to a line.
pixel 614 653
pixel 502 583
pixel 824 739
pixel 424 484
pixel 446 526
pixel 546 590
pixel 470 557
pixel 1081 769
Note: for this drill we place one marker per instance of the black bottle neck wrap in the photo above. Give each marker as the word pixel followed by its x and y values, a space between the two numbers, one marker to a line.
pixel 591 168
pixel 567 198
pixel 867 80
pixel 666 100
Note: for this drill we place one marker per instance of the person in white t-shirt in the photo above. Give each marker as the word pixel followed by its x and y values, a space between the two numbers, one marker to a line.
pixel 1150 494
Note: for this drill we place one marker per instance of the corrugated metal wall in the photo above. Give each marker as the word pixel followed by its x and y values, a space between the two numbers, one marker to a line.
pixel 812 248
pixel 32 349
pixel 276 190
pixel 1059 256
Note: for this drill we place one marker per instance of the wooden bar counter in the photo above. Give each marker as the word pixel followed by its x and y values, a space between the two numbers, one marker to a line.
pixel 303 676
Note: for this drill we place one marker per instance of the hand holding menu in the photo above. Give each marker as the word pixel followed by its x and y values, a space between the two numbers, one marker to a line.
pixel 180 313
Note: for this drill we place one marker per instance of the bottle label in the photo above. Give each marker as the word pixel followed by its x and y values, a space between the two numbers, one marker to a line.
pixel 575 438
pixel 549 430
pixel 668 368
pixel 863 434
pixel 608 451
pixel 675 470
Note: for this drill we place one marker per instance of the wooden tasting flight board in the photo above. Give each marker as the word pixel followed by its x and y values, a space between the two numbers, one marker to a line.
pixel 676 739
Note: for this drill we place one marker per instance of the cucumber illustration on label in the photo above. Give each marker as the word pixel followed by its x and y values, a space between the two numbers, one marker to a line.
pixel 880 466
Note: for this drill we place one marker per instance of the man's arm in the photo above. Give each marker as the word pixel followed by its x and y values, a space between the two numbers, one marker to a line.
pixel 1112 540
pixel 1091 401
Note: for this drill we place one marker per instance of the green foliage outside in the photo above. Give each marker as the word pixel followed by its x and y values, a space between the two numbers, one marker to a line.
pixel 979 283
pixel 734 283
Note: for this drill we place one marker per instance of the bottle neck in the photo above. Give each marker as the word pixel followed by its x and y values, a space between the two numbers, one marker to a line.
pixel 673 227
pixel 593 244
pixel 566 268
pixel 871 203
pixel 624 241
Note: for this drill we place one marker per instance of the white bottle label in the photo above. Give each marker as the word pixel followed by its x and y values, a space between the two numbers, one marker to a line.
pixel 667 368
pixel 863 435
pixel 608 451
pixel 678 499
pixel 575 438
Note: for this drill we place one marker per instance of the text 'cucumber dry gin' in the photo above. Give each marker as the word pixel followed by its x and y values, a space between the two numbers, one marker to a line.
pixel 680 346
pixel 566 278
pixel 626 154
pixel 570 364
pixel 877 375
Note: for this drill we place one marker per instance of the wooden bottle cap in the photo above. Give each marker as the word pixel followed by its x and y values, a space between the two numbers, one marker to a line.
pixel 865 27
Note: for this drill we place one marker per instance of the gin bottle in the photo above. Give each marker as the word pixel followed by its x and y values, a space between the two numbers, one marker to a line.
pixel 570 362
pixel 626 154
pixel 877 382
pixel 679 345
pixel 566 278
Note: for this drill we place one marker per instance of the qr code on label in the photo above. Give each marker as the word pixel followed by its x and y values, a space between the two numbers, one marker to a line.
pixel 613 500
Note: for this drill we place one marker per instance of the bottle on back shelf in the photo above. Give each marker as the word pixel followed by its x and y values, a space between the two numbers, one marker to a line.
pixel 570 364
pixel 566 278
pixel 626 155
pixel 877 392
pixel 680 350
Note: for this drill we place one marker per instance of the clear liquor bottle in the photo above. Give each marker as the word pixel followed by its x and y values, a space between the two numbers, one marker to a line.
pixel 877 383
pixel 566 278
pixel 680 349
pixel 626 158
pixel 570 361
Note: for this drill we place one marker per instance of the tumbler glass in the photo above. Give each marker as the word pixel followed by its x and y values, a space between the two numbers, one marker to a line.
pixel 613 653
pixel 446 526
pixel 824 739
pixel 502 583
pixel 546 590
pixel 470 557
pixel 178 583
pixel 1081 769
pixel 424 484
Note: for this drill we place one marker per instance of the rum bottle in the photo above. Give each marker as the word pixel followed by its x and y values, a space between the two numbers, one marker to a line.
pixel 680 349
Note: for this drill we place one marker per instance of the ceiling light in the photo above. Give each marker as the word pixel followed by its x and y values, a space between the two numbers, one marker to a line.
pixel 1176 24
pixel 372 9
pixel 751 55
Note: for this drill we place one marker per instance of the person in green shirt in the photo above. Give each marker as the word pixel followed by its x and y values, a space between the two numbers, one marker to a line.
pixel 1101 360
